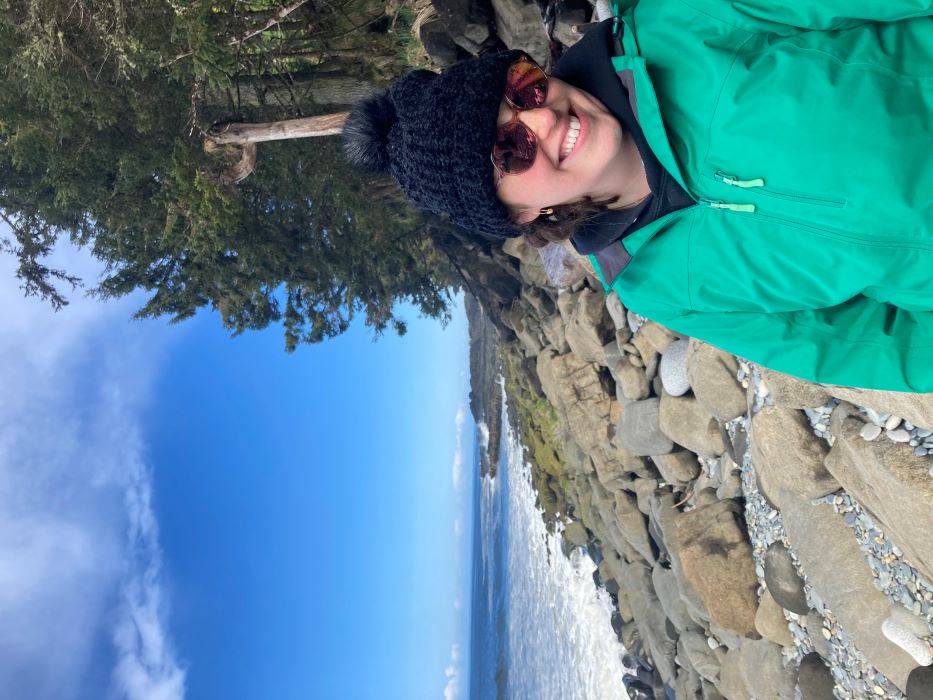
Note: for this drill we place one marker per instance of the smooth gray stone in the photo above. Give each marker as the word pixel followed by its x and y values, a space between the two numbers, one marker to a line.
pixel 920 683
pixel 814 678
pixel 640 430
pixel 784 583
pixel 673 369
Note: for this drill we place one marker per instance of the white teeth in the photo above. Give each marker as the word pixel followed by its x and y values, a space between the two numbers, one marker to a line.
pixel 572 134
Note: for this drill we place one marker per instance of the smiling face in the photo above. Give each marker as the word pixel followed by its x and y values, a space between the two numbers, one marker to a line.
pixel 582 151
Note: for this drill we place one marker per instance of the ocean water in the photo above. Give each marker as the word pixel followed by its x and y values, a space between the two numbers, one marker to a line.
pixel 540 628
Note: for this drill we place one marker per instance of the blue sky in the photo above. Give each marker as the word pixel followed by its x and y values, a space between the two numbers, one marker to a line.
pixel 183 515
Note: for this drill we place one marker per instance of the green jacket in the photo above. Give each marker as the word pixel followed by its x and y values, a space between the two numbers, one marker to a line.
pixel 804 131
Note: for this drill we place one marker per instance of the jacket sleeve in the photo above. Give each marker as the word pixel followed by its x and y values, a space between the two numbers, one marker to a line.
pixel 861 343
pixel 770 15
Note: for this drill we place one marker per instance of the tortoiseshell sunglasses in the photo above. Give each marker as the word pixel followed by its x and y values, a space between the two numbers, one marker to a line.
pixel 516 146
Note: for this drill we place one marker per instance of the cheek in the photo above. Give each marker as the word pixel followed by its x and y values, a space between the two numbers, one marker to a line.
pixel 520 191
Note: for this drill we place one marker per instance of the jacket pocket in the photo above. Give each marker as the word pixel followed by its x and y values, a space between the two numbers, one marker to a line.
pixel 760 187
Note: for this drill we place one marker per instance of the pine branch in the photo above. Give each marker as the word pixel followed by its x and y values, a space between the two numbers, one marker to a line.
pixel 273 20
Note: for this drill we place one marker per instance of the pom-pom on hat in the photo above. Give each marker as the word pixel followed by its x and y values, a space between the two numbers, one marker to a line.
pixel 434 133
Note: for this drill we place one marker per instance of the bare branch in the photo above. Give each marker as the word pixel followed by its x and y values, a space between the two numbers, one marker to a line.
pixel 236 133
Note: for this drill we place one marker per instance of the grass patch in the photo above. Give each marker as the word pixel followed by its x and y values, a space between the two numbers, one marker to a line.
pixel 537 423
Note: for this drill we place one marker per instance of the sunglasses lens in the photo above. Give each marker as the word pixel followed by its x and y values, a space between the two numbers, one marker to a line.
pixel 525 85
pixel 515 148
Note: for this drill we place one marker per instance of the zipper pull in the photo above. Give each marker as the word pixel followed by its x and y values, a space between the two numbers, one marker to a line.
pixel 745 208
pixel 735 182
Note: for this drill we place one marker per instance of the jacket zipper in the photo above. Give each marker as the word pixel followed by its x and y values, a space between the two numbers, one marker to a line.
pixel 759 185
pixel 719 204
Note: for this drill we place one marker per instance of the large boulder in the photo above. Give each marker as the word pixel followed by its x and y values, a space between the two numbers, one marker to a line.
pixel 917 408
pixel 640 430
pixel 685 421
pixel 618 314
pixel 631 522
pixel 831 559
pixel 561 266
pixel 771 623
pixel 793 392
pixel 762 666
pixel 588 324
pixel 788 457
pixel 732 682
pixel 531 268
pixel 630 379
pixel 712 375
pixel 679 467
pixel 553 329
pixel 615 465
pixel 707 662
pixel 657 335
pixel 668 592
pixel 578 392
pixel 650 618
pixel 526 327
pixel 520 26
pixel 715 556
pixel 893 484
pixel 688 684
pixel 662 526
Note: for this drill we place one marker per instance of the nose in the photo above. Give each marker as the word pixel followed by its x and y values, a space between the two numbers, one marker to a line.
pixel 541 121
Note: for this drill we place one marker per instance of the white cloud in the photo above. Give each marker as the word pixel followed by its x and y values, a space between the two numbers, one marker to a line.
pixel 80 566
pixel 452 672
pixel 457 471
pixel 146 665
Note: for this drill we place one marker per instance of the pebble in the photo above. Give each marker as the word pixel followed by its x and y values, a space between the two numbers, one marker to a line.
pixel 899 435
pixel 673 369
pixel 921 452
pixel 899 634
pixel 856 678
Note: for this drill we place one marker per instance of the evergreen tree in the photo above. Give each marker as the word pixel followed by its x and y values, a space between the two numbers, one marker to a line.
pixel 104 107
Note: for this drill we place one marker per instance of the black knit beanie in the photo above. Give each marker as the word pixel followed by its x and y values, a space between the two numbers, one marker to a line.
pixel 434 133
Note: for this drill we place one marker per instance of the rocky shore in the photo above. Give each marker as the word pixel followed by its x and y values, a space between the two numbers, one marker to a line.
pixel 762 537
pixel 759 533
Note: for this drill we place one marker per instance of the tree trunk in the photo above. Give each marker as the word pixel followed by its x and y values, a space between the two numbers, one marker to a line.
pixel 324 125
pixel 330 88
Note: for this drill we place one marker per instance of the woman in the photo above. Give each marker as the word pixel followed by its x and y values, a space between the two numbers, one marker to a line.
pixel 752 173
